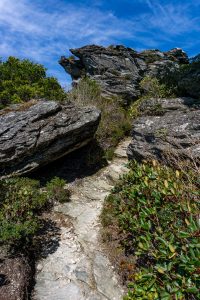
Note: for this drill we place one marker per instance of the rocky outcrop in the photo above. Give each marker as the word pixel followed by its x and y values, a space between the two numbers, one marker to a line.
pixel 168 129
pixel 118 69
pixel 189 81
pixel 43 133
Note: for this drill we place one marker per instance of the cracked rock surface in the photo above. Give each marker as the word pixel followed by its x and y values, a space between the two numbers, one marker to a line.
pixel 118 69
pixel 78 269
pixel 168 128
pixel 42 133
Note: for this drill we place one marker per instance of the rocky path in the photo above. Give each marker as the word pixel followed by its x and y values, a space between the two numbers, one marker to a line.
pixel 78 269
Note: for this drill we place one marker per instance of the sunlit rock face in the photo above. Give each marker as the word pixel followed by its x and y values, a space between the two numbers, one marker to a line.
pixel 118 69
pixel 168 129
pixel 43 133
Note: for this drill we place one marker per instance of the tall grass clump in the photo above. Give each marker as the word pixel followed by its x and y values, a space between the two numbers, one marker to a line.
pixel 115 121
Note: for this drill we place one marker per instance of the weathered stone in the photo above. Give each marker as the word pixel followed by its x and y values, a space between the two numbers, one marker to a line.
pixel 118 69
pixel 173 132
pixel 79 268
pixel 43 133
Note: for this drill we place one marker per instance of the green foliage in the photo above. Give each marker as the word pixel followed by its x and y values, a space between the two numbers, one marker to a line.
pixel 187 79
pixel 184 80
pixel 115 121
pixel 56 190
pixel 86 92
pixel 152 88
pixel 22 80
pixel 157 210
pixel 21 200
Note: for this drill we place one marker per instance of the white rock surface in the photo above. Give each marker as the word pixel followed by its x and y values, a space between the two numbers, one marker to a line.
pixel 78 269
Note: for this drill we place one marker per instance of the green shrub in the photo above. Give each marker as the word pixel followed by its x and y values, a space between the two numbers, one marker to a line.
pixel 151 88
pixel 115 121
pixel 56 190
pixel 22 80
pixel 86 92
pixel 156 210
pixel 21 200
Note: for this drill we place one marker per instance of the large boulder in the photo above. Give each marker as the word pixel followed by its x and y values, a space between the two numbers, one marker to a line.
pixel 169 129
pixel 117 69
pixel 42 133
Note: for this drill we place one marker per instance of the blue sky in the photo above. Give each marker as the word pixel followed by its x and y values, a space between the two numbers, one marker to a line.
pixel 44 30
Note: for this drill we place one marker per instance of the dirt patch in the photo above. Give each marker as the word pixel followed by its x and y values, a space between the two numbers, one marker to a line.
pixel 14 278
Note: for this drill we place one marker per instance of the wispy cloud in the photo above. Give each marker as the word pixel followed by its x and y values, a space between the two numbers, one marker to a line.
pixel 171 18
pixel 42 31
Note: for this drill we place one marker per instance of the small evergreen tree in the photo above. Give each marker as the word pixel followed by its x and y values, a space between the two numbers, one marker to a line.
pixel 22 80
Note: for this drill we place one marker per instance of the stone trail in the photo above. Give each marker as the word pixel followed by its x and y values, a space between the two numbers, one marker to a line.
pixel 79 269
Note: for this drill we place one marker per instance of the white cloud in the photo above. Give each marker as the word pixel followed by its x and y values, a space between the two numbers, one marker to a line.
pixel 172 19
pixel 28 29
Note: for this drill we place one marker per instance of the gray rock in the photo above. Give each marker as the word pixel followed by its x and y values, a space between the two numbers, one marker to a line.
pixel 117 69
pixel 173 132
pixel 79 268
pixel 189 81
pixel 43 133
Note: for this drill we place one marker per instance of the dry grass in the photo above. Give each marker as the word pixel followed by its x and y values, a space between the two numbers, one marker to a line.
pixel 115 121
pixel 19 107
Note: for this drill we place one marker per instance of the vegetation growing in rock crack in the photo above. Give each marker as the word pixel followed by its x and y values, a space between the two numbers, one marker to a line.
pixel 153 214
pixel 115 121
pixel 151 87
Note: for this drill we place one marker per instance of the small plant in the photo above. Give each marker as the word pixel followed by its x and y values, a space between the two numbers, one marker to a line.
pixel 156 210
pixel 161 133
pixel 86 92
pixel 71 58
pixel 56 190
pixel 21 201
pixel 152 88
pixel 115 121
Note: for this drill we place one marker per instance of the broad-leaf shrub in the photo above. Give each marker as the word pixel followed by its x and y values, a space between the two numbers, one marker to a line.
pixel 20 201
pixel 157 212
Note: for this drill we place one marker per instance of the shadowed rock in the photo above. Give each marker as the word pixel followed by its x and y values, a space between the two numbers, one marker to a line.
pixel 43 133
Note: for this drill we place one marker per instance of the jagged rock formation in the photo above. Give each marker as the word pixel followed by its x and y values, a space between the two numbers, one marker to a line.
pixel 43 133
pixel 174 133
pixel 189 81
pixel 118 69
